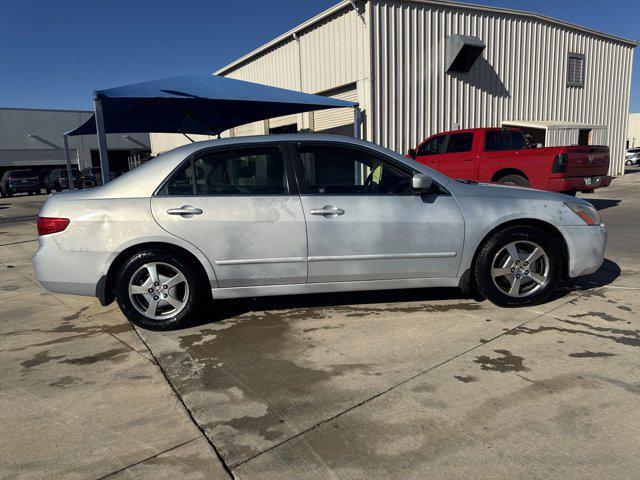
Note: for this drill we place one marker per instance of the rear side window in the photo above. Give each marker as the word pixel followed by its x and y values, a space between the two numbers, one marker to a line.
pixel 499 140
pixel 460 142
pixel 181 182
pixel 255 170
pixel 245 171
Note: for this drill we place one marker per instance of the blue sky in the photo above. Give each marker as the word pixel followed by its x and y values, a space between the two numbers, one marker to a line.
pixel 53 54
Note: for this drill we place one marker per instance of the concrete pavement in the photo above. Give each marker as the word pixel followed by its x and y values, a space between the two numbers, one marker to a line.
pixel 407 384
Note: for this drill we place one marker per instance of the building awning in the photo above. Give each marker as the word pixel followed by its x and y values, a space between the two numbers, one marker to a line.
pixel 197 104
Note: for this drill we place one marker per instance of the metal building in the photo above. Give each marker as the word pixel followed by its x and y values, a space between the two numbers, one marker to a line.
pixel 32 138
pixel 410 66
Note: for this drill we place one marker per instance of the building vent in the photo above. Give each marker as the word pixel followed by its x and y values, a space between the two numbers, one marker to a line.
pixel 575 70
pixel 461 52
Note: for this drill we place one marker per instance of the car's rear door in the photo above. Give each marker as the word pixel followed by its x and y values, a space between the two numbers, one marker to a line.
pixel 365 222
pixel 239 206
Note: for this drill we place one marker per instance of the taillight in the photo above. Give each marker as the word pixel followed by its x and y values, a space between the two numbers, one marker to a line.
pixel 560 163
pixel 49 225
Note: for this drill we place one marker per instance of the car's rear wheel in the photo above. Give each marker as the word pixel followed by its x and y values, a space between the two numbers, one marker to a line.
pixel 517 180
pixel 518 266
pixel 158 290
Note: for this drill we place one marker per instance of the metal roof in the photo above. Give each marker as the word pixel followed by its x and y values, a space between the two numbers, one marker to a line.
pixel 436 3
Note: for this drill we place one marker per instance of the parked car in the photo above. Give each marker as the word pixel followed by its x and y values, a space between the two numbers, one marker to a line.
pixel 19 181
pixel 290 214
pixel 58 179
pixel 43 173
pixel 92 177
pixel 632 156
pixel 501 155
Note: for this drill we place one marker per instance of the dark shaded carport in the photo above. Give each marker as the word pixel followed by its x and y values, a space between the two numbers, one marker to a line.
pixel 193 104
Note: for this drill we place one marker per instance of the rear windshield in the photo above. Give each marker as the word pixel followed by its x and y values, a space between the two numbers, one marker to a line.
pixel 22 174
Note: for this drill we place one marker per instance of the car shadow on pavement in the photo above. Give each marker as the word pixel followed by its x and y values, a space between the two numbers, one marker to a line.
pixel 224 309
pixel 605 275
pixel 603 203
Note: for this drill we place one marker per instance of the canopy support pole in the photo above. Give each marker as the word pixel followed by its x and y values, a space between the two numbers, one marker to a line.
pixel 67 156
pixel 357 121
pixel 102 139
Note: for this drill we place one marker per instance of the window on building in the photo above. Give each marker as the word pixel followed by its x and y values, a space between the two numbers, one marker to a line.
pixel 575 70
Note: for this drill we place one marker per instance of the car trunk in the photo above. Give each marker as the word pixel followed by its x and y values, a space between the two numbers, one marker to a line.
pixel 588 161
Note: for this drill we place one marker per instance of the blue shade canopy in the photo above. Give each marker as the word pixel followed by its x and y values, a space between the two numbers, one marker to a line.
pixel 198 104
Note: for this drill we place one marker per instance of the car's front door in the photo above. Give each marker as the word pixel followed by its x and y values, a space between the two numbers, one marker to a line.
pixel 235 204
pixel 365 222
pixel 458 160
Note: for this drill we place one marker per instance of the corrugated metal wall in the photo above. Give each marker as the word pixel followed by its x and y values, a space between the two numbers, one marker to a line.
pixel 331 54
pixel 521 75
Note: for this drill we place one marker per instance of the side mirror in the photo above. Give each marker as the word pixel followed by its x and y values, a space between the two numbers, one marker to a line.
pixel 421 182
pixel 412 153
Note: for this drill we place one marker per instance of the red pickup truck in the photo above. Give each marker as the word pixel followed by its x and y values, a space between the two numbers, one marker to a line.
pixel 501 155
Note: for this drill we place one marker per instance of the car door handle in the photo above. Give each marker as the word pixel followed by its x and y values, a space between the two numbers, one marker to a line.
pixel 185 210
pixel 328 211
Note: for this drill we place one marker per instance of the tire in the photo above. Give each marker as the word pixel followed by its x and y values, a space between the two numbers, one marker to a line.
pixel 537 279
pixel 8 193
pixel 517 180
pixel 188 293
pixel 48 190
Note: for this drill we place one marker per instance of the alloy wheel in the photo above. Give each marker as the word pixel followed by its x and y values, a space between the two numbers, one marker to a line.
pixel 520 269
pixel 158 290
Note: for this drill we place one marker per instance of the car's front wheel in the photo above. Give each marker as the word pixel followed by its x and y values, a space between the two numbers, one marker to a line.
pixel 518 266
pixel 158 290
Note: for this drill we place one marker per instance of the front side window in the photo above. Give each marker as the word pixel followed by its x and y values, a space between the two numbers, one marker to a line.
pixel 250 170
pixel 339 170
pixel 435 146
pixel 499 140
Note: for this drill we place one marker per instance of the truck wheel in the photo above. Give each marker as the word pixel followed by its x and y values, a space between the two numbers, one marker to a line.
pixel 516 180
pixel 518 266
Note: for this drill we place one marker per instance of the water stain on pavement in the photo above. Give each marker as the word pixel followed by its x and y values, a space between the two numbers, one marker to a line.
pixel 246 413
pixel 115 355
pixel 467 379
pixel 625 337
pixel 588 354
pixel 507 362
pixel 39 359
pixel 68 381
pixel 604 316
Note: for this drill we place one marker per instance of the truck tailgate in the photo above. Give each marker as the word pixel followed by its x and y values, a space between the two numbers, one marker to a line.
pixel 591 161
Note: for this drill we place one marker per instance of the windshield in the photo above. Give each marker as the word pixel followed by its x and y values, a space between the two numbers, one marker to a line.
pixel 22 174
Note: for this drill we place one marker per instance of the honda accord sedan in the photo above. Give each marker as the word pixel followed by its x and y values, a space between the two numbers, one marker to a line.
pixel 294 214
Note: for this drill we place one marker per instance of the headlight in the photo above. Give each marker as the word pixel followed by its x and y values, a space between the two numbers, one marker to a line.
pixel 586 212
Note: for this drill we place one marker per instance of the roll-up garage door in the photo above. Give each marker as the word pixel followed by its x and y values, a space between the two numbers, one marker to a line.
pixel 337 120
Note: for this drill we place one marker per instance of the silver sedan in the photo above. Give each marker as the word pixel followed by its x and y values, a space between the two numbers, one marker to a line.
pixel 290 214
